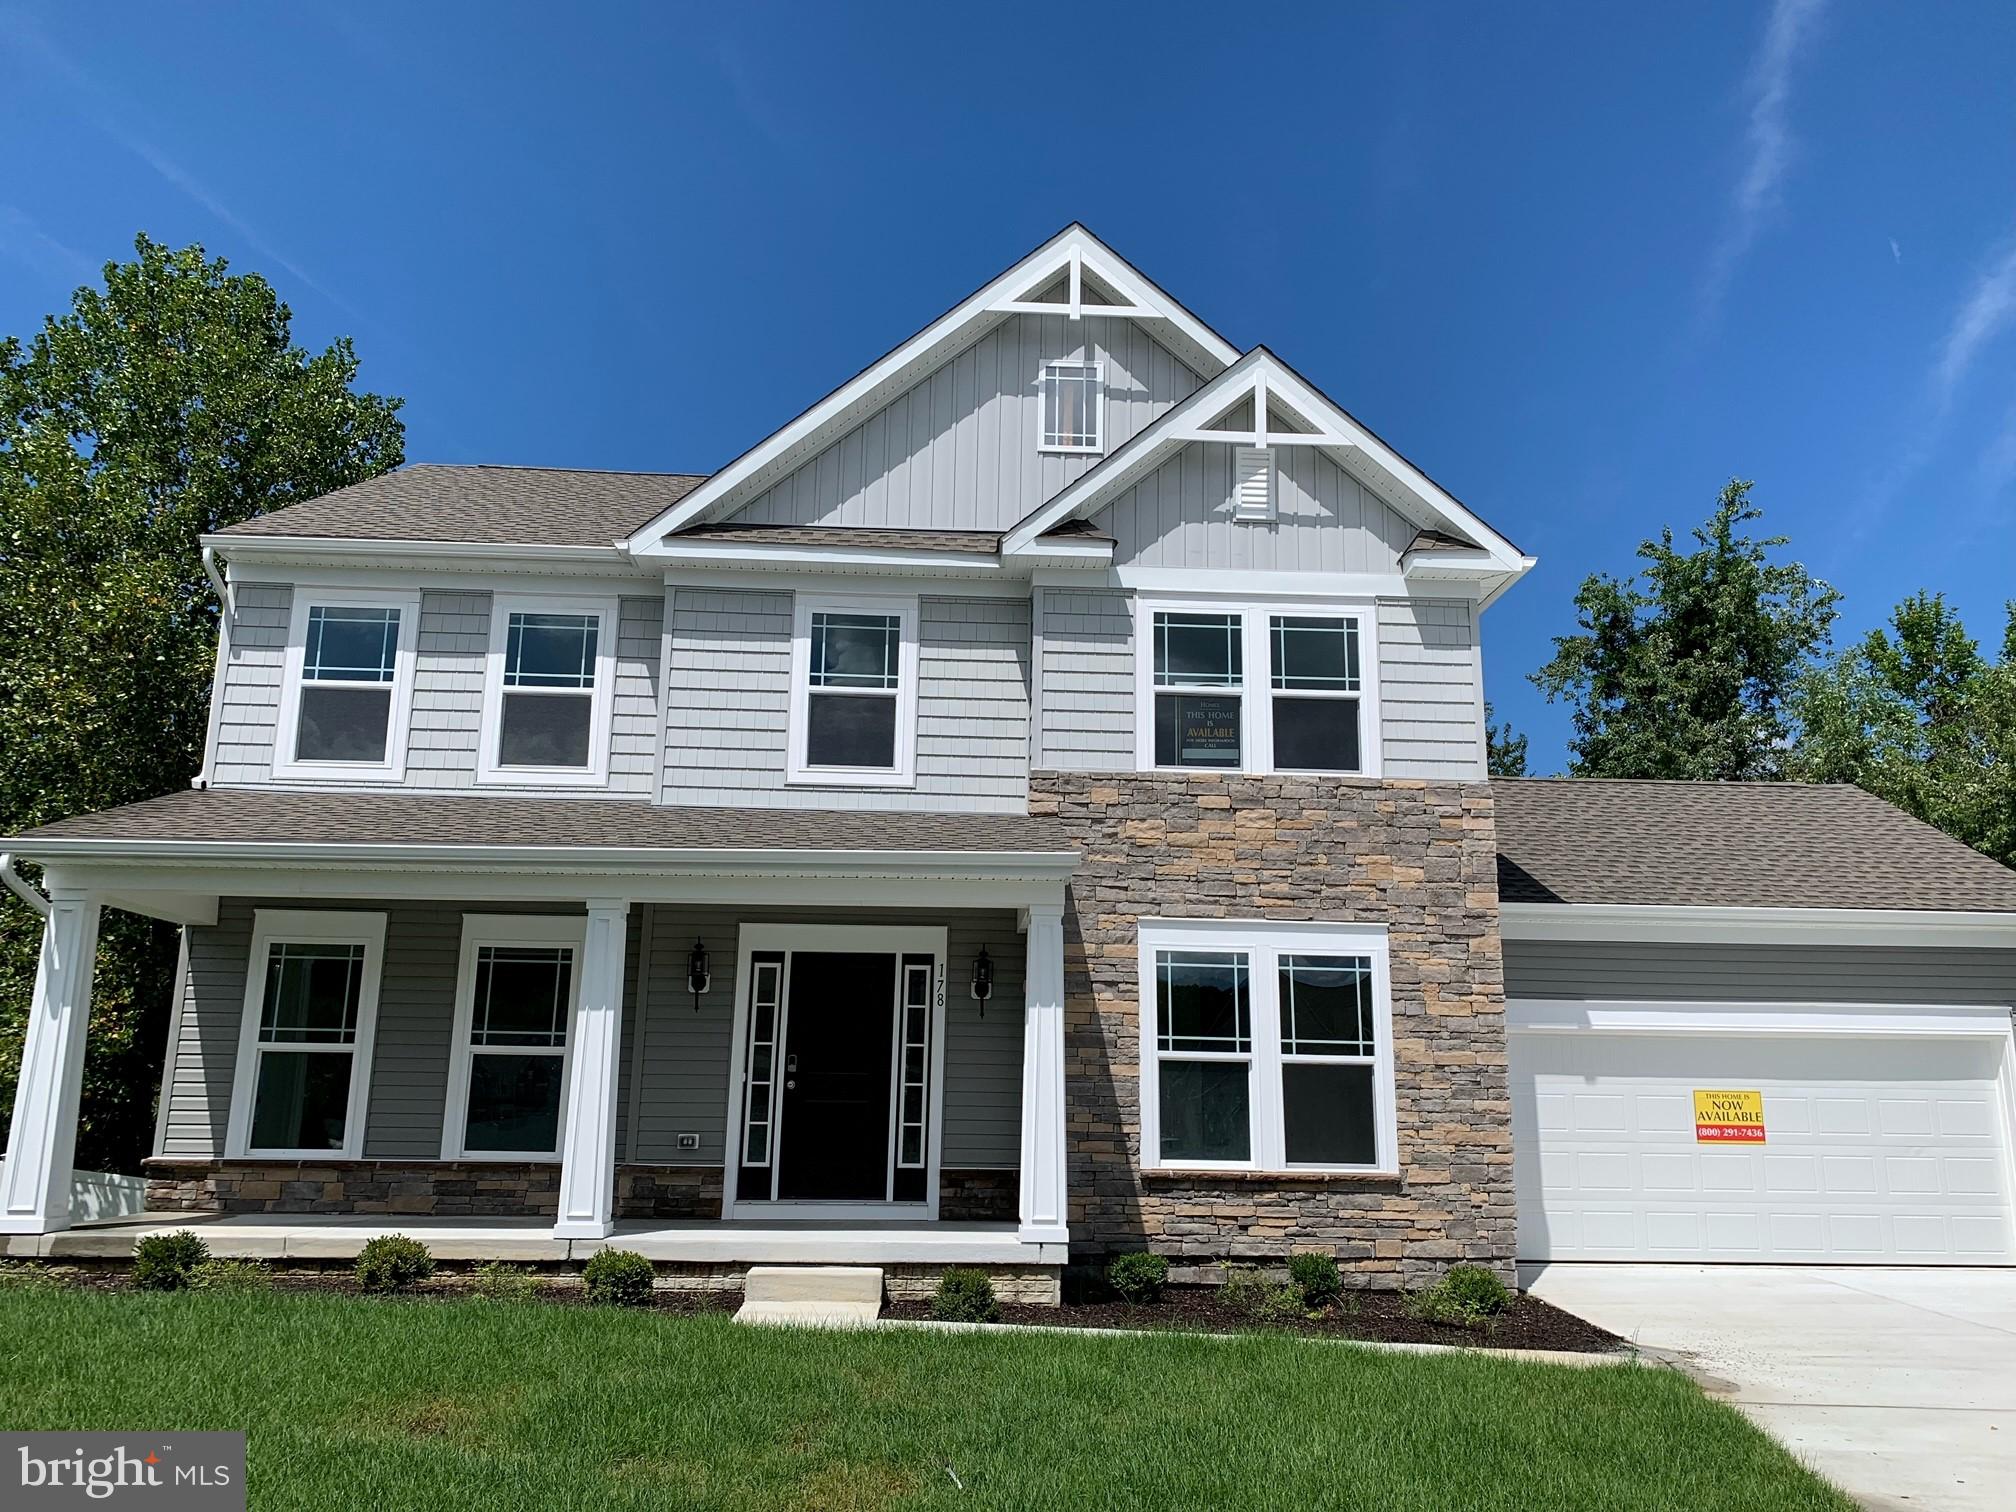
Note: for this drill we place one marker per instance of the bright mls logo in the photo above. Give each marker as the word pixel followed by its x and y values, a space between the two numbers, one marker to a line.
pixel 171 1472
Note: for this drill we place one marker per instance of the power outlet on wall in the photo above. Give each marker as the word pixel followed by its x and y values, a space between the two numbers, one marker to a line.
pixel 689 1141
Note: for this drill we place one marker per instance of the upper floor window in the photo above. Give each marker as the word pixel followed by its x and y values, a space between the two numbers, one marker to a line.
pixel 854 691
pixel 1072 408
pixel 550 687
pixel 346 692
pixel 1254 688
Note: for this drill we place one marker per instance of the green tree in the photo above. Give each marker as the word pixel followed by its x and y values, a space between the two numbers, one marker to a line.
pixel 1504 747
pixel 1916 714
pixel 1685 670
pixel 170 402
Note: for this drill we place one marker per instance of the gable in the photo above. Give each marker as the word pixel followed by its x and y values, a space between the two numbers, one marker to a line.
pixel 957 450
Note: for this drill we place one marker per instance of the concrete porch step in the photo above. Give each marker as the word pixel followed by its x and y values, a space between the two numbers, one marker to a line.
pixel 812 1296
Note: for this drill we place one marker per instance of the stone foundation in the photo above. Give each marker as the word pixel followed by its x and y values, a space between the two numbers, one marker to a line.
pixel 1418 857
pixel 979 1196
pixel 416 1188
pixel 668 1191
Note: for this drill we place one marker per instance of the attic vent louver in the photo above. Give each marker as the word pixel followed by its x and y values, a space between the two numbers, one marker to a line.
pixel 1253 483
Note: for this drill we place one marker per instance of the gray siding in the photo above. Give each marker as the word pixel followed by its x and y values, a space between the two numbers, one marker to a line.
pixel 1431 689
pixel 202 1061
pixel 445 731
pixel 958 450
pixel 1086 684
pixel 1605 970
pixel 729 691
pixel 1180 515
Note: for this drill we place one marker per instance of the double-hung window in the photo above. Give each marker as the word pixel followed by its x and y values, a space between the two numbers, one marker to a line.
pixel 549 691
pixel 1266 1047
pixel 346 691
pixel 304 1046
pixel 854 692
pixel 514 1007
pixel 1254 688
pixel 1071 408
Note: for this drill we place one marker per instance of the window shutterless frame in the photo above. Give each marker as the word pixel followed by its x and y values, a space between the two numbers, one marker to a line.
pixel 1071 406
pixel 599 672
pixel 507 931
pixel 279 928
pixel 799 769
pixel 1265 945
pixel 1256 690
pixel 287 765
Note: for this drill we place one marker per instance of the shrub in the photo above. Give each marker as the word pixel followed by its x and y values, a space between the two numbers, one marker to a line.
pixel 1316 1277
pixel 965 1296
pixel 230 1276
pixel 1138 1277
pixel 1467 1296
pixel 162 1262
pixel 619 1278
pixel 26 1275
pixel 393 1262
pixel 501 1281
pixel 1251 1293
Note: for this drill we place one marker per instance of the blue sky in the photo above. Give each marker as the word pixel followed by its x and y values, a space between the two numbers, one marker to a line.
pixel 1583 263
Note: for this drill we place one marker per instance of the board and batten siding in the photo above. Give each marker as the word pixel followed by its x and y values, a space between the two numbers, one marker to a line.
pixel 445 730
pixel 958 450
pixel 728 701
pixel 1613 970
pixel 1431 689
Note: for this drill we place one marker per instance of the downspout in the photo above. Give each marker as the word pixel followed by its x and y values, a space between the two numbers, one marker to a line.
pixel 20 885
pixel 227 610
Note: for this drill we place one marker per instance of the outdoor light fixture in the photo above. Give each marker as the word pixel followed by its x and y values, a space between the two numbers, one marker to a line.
pixel 983 979
pixel 698 980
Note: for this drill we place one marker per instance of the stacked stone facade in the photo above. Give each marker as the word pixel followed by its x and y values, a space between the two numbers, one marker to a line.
pixel 415 1188
pixel 1419 858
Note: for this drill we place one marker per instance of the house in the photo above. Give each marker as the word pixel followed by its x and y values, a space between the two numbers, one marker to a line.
pixel 1031 805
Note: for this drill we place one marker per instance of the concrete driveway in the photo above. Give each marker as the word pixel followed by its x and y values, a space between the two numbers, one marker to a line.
pixel 1899 1385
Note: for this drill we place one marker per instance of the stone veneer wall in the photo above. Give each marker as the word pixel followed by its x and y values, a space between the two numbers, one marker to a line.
pixel 417 1188
pixel 979 1196
pixel 1416 856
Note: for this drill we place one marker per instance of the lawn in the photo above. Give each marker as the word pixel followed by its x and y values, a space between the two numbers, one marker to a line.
pixel 362 1403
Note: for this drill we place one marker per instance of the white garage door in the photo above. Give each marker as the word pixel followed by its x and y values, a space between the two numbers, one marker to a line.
pixel 1874 1151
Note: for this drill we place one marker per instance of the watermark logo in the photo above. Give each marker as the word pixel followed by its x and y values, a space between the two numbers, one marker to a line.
pixel 161 1472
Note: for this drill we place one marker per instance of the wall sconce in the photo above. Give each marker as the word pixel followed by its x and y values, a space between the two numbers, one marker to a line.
pixel 983 979
pixel 698 978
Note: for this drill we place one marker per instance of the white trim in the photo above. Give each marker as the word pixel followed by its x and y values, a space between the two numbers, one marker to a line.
pixel 777 578
pixel 798 771
pixel 399 715
pixel 1762 926
pixel 1044 446
pixel 554 931
pixel 1256 690
pixel 706 553
pixel 343 552
pixel 897 940
pixel 1832 1020
pixel 1245 583
pixel 602 700
pixel 290 926
pixel 1263 942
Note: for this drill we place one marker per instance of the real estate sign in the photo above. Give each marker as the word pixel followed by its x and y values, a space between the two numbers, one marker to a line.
pixel 1724 1117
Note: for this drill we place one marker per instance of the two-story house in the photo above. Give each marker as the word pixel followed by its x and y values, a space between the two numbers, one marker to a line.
pixel 1031 804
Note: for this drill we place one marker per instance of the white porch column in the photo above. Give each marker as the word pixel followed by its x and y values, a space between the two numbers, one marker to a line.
pixel 42 1148
pixel 588 1142
pixel 1045 1211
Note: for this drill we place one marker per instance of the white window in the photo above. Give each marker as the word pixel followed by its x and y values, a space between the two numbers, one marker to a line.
pixel 548 691
pixel 854 692
pixel 515 997
pixel 304 1044
pixel 1266 1047
pixel 346 693
pixel 1072 409
pixel 1254 688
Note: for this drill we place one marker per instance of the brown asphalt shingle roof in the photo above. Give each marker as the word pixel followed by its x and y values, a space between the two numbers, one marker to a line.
pixel 1730 844
pixel 977 542
pixel 247 815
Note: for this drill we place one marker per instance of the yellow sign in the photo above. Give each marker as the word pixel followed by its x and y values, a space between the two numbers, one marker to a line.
pixel 1728 1117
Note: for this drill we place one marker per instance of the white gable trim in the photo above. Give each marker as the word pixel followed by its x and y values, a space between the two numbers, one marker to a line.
pixel 1071 250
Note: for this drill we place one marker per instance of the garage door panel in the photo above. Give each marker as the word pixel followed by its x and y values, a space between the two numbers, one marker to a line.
pixel 1874 1149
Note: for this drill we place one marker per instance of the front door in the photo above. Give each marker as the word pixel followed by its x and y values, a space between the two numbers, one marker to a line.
pixel 834 1126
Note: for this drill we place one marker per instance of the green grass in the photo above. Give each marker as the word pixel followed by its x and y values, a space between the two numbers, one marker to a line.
pixel 362 1403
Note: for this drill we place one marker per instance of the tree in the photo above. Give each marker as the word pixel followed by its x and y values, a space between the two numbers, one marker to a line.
pixel 169 403
pixel 1504 748
pixel 1688 675
pixel 1918 716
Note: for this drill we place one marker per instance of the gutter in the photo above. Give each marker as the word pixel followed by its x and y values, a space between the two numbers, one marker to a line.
pixel 227 611
pixel 1716 925
pixel 20 886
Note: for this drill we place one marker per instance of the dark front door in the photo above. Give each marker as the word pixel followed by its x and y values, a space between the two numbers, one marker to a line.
pixel 833 1142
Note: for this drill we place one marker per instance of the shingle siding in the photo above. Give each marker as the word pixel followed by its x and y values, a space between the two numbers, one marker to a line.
pixel 249 711
pixel 1086 723
pixel 1431 695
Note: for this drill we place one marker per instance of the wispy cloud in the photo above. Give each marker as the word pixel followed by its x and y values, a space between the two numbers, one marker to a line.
pixel 23 239
pixel 1987 311
pixel 1896 252
pixel 1772 149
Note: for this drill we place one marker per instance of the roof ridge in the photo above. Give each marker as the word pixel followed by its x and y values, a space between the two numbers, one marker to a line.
pixel 1695 782
pixel 605 472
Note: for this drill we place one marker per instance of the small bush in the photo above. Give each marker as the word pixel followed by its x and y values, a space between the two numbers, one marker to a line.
pixel 163 1262
pixel 230 1276
pixel 618 1278
pixel 965 1296
pixel 393 1262
pixel 1250 1292
pixel 501 1281
pixel 26 1275
pixel 1467 1296
pixel 1138 1277
pixel 1316 1277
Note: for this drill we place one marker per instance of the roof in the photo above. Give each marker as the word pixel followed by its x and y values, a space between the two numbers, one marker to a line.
pixel 977 542
pixel 244 816
pixel 484 506
pixel 1731 845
